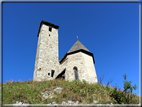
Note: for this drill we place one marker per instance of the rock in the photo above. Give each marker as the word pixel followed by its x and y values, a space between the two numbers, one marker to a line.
pixel 50 96
pixel 17 102
pixel 24 104
pixel 41 93
pixel 47 94
pixel 49 104
pixel 58 89
pixel 20 103
pixel 70 102
pixel 77 102
pixel 111 105
pixel 94 101
pixel 63 102
pixel 53 103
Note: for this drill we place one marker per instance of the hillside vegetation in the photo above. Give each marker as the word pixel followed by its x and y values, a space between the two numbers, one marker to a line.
pixel 30 92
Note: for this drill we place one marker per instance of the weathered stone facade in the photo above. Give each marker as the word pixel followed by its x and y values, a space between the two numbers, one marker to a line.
pixel 85 67
pixel 47 53
pixel 78 63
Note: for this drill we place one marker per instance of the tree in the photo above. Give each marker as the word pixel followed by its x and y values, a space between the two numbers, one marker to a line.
pixel 128 88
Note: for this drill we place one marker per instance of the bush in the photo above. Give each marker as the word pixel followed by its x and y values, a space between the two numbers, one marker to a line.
pixel 117 96
pixel 123 97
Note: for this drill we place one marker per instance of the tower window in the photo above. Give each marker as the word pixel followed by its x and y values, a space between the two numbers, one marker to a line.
pixel 50 29
pixel 49 34
pixel 52 73
pixel 76 73
pixel 48 73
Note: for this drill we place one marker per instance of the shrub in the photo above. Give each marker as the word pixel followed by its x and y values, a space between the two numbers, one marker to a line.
pixel 123 97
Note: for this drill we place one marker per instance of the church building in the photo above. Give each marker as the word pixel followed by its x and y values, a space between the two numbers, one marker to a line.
pixel 77 63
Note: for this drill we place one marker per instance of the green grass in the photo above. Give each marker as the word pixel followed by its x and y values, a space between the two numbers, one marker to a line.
pixel 29 92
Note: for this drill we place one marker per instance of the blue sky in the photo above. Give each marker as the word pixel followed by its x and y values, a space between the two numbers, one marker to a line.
pixel 109 30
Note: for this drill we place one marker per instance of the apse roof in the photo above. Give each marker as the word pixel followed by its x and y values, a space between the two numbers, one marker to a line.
pixel 77 46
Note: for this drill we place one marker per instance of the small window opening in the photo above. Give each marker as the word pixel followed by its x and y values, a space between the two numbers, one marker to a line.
pixel 49 34
pixel 52 73
pixel 76 72
pixel 50 29
pixel 48 73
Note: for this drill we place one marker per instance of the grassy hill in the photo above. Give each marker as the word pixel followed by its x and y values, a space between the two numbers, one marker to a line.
pixel 30 92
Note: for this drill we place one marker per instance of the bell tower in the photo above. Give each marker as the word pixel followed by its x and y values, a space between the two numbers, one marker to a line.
pixel 47 62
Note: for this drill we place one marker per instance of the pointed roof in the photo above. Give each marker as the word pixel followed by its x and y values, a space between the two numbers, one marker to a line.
pixel 77 46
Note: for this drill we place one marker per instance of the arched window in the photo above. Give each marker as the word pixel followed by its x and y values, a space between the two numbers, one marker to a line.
pixel 76 72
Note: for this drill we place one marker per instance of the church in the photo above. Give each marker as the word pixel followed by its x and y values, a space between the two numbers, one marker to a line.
pixel 76 64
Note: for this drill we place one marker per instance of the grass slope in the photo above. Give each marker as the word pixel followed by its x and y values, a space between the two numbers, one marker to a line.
pixel 29 92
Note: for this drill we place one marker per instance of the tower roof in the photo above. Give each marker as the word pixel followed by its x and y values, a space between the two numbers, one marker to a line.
pixel 77 46
pixel 48 24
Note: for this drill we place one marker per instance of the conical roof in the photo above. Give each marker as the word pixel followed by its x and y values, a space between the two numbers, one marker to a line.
pixel 77 46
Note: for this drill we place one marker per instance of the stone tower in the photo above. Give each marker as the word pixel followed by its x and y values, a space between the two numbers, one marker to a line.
pixel 78 63
pixel 47 62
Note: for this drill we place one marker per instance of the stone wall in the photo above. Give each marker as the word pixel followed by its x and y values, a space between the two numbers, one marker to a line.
pixel 74 60
pixel 63 66
pixel 47 54
pixel 90 73
pixel 84 63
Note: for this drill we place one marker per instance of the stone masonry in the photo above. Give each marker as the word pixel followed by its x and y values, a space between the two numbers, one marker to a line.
pixel 84 63
pixel 47 53
pixel 77 63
